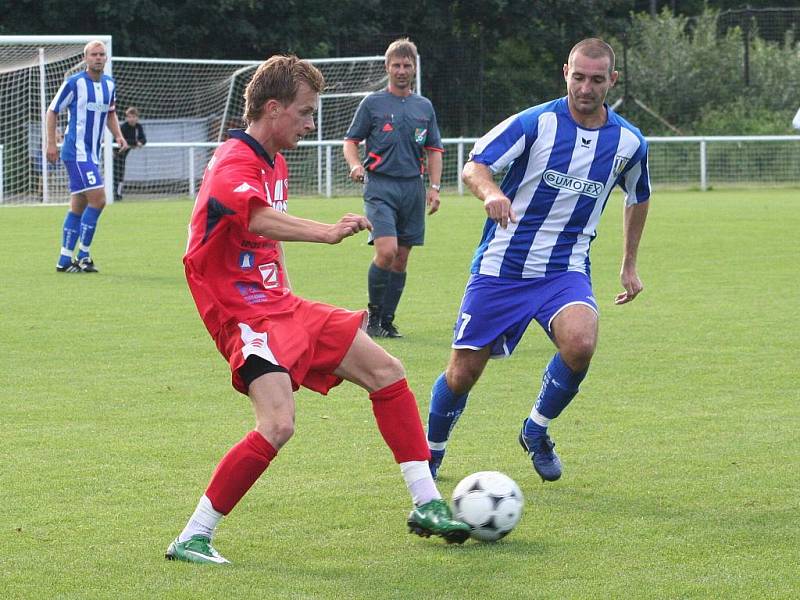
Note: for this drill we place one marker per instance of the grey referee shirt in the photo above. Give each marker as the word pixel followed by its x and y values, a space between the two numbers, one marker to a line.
pixel 398 130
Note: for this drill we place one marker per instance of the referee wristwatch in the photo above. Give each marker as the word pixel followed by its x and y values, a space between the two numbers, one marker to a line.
pixel 436 186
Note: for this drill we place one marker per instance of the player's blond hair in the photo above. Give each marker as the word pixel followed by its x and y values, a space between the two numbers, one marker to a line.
pixel 402 47
pixel 278 78
pixel 594 48
pixel 92 44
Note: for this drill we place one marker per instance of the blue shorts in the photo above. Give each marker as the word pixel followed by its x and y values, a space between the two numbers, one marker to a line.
pixel 396 208
pixel 83 176
pixel 496 311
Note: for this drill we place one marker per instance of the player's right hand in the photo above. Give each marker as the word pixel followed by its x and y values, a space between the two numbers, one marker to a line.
pixel 52 153
pixel 349 224
pixel 498 209
pixel 357 174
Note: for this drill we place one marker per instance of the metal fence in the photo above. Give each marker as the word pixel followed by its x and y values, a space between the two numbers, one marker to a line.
pixel 318 168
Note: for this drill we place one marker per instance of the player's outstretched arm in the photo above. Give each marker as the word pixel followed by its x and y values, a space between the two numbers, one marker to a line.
pixel 52 148
pixel 634 218
pixel 480 181
pixel 287 228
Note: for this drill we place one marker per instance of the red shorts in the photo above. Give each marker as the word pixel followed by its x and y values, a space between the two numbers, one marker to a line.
pixel 309 341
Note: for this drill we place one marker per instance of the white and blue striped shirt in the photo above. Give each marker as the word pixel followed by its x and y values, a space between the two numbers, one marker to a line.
pixel 559 180
pixel 89 103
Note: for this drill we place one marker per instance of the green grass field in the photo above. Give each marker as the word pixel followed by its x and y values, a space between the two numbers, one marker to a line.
pixel 681 453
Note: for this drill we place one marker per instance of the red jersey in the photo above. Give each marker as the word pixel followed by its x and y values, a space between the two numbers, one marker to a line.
pixel 231 271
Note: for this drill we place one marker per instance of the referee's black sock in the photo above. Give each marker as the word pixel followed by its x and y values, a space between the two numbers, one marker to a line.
pixel 394 289
pixel 377 283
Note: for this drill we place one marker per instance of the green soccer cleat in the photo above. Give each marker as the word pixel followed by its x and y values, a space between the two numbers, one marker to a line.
pixel 435 518
pixel 197 549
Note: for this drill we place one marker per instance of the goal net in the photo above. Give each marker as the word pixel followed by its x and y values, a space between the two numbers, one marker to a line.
pixel 32 69
pixel 187 106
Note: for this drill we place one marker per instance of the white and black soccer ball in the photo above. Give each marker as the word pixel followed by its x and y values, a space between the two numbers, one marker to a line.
pixel 489 502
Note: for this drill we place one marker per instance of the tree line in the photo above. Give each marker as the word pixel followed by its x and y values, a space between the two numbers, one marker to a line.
pixel 482 59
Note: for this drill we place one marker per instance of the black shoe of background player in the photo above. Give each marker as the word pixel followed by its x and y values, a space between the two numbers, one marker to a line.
pixel 374 329
pixel 389 330
pixel 86 265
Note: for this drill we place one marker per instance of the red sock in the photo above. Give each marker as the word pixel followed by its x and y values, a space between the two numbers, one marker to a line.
pixel 396 412
pixel 238 471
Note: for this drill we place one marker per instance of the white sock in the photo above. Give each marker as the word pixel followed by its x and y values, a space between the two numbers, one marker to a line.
pixel 202 522
pixel 539 418
pixel 419 481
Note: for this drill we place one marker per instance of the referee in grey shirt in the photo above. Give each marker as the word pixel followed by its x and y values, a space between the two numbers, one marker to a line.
pixel 400 130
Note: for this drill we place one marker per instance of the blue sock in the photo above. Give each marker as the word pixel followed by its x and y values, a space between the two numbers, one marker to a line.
pixel 446 408
pixel 88 226
pixel 69 238
pixel 559 386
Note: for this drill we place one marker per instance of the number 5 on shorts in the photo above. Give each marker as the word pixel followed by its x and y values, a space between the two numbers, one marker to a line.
pixel 465 317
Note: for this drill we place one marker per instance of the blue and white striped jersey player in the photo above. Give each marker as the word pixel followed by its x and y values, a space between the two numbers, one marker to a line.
pixel 564 157
pixel 89 96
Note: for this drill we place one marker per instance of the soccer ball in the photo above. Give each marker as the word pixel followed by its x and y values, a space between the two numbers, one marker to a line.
pixel 489 502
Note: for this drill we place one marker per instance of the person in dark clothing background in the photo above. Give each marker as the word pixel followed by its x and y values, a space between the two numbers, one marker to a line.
pixel 133 132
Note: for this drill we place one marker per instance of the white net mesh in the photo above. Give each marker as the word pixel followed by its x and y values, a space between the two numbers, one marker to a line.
pixel 192 101
pixel 185 107
pixel 25 96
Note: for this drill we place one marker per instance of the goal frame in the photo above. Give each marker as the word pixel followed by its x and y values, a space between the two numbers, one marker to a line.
pixel 108 140
pixel 244 65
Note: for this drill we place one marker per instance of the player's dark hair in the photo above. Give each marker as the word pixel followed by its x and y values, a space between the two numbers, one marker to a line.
pixel 278 78
pixel 402 47
pixel 594 48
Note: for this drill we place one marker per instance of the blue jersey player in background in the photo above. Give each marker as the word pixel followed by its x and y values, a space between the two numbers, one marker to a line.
pixel 564 157
pixel 89 96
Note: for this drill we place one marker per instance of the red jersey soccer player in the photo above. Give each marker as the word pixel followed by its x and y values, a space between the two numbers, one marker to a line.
pixel 273 340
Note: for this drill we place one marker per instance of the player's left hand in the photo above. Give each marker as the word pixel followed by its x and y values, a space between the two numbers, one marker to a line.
pixel 432 200
pixel 498 209
pixel 123 145
pixel 632 284
pixel 349 224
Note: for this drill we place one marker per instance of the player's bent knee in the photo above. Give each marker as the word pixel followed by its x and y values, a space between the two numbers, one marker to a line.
pixel 278 432
pixel 578 354
pixel 390 371
pixel 461 380
pixel 384 261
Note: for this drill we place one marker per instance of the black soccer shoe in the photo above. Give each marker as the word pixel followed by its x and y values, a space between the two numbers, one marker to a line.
pixel 72 267
pixel 389 330
pixel 374 329
pixel 86 265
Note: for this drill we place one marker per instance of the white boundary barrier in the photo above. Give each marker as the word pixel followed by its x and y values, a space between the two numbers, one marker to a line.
pixel 330 153
pixel 330 170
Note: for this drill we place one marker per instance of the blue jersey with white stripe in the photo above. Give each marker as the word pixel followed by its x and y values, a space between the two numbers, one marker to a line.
pixel 89 103
pixel 559 181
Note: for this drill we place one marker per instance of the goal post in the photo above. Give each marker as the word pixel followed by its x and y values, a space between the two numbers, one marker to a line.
pixel 191 103
pixel 186 107
pixel 32 68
